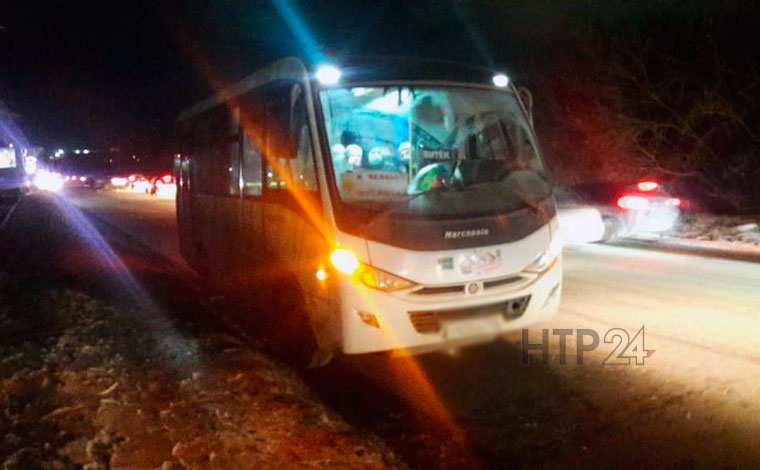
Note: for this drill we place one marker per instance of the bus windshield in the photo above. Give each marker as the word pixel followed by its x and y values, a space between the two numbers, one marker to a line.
pixel 432 151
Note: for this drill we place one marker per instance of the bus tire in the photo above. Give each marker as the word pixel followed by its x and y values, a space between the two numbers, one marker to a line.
pixel 290 334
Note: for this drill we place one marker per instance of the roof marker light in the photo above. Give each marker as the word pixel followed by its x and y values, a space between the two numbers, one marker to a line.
pixel 500 80
pixel 328 74
pixel 648 186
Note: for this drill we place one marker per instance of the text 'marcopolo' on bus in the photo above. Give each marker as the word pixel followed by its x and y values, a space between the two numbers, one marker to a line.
pixel 382 205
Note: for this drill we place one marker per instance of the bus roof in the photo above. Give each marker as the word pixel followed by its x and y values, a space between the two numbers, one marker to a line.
pixel 384 68
pixel 365 69
pixel 288 68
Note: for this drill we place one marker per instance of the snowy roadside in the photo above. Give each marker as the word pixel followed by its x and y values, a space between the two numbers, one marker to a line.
pixel 84 384
pixel 733 236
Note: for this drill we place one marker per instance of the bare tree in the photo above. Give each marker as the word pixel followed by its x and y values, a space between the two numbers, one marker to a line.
pixel 689 119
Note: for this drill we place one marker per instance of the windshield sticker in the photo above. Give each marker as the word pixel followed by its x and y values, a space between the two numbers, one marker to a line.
pixel 438 154
pixel 360 184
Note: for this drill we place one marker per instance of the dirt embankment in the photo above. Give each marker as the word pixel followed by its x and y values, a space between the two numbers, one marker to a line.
pixel 83 384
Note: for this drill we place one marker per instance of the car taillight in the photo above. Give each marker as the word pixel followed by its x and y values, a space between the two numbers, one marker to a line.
pixel 648 186
pixel 166 179
pixel 673 202
pixel 633 203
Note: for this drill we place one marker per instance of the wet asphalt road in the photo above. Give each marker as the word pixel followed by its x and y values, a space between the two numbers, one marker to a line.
pixel 694 401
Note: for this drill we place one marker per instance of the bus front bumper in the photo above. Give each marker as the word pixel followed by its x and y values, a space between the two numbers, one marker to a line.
pixel 374 321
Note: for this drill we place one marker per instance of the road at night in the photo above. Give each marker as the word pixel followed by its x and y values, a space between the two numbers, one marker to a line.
pixel 696 399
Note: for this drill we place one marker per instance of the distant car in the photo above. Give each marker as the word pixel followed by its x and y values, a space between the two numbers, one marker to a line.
pixel 96 182
pixel 604 212
pixel 119 182
pixel 139 184
pixel 164 186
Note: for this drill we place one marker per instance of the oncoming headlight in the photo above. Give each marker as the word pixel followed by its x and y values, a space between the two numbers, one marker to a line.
pixel 546 260
pixel 344 261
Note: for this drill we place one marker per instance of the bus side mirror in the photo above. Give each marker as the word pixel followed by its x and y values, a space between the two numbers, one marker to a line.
pixel 527 98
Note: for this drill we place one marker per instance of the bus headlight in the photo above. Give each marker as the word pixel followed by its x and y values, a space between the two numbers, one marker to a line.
pixel 346 262
pixel 381 280
pixel 546 260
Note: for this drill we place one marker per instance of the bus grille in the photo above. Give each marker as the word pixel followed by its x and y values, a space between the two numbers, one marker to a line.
pixel 460 288
pixel 425 322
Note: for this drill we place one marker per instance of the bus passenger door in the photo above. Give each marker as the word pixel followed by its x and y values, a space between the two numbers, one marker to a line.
pixel 293 217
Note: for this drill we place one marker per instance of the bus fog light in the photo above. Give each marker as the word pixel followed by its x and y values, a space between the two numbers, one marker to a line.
pixel 369 319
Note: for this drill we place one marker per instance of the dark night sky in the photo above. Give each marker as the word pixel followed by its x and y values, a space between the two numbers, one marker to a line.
pixel 95 74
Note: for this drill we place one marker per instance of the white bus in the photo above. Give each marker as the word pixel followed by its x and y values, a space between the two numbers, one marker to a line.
pixel 383 205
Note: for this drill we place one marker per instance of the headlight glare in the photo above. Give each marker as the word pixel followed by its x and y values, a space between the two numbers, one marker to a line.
pixel 345 261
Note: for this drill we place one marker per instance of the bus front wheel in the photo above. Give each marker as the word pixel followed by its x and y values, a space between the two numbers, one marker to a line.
pixel 289 334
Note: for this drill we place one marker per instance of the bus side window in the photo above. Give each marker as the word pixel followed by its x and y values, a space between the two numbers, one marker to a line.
pixel 253 140
pixel 289 154
pixel 302 167
pixel 201 159
pixel 251 177
pixel 233 153
pixel 216 151
pixel 277 148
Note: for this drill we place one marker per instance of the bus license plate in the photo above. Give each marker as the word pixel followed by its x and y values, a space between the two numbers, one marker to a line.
pixel 470 328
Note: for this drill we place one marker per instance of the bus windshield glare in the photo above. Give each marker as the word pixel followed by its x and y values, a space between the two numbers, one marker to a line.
pixel 434 151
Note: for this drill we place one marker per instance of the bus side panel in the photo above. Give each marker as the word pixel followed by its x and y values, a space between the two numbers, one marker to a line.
pixel 253 249
pixel 223 234
pixel 300 250
pixel 202 213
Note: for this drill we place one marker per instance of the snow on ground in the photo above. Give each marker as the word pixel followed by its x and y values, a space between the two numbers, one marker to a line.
pixel 732 229
pixel 84 384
